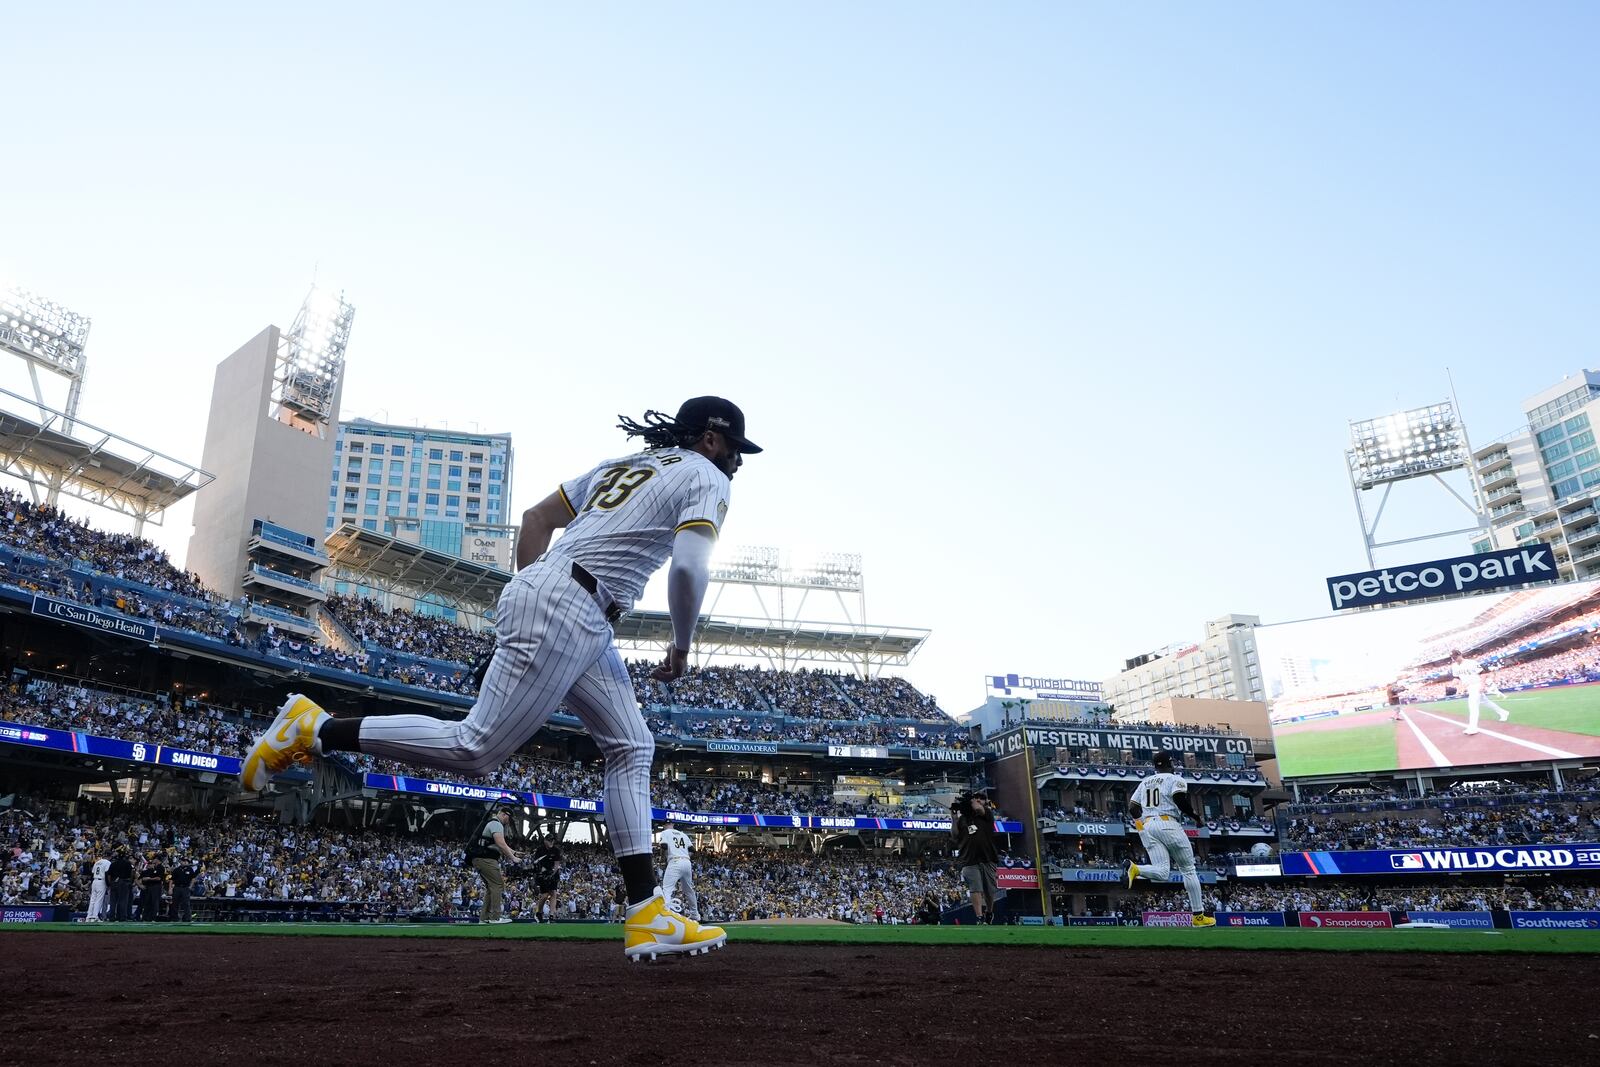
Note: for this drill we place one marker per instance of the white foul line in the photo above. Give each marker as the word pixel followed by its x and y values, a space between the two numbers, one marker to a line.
pixel 1546 749
pixel 1429 747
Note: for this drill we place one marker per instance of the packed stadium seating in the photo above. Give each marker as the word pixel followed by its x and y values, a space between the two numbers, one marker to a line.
pixel 1532 819
pixel 42 550
pixel 47 858
pixel 74 705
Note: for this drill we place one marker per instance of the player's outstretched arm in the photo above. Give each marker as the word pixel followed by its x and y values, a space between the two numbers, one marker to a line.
pixel 687 579
pixel 539 524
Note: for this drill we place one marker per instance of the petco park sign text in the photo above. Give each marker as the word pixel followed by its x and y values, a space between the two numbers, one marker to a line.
pixel 1461 574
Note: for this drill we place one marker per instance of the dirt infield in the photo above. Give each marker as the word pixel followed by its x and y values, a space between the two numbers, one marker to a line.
pixel 229 999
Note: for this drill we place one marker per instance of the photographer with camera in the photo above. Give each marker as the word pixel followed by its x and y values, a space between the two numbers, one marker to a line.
pixel 972 827
pixel 484 852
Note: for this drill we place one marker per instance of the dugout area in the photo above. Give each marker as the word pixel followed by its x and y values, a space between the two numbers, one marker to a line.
pixel 781 995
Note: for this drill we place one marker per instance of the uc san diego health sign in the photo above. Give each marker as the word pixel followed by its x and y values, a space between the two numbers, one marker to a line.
pixel 1443 577
pixel 105 622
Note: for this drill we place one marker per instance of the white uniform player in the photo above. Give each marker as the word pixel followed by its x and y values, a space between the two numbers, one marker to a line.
pixel 1470 673
pixel 1163 835
pixel 97 890
pixel 679 872
pixel 554 642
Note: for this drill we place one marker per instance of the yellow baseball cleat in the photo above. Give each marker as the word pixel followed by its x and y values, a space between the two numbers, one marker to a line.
pixel 292 738
pixel 1201 921
pixel 653 930
pixel 1133 873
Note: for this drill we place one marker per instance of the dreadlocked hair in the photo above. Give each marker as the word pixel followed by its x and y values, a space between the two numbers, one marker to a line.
pixel 659 430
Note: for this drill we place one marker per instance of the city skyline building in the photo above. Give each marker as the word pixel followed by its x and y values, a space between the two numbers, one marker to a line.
pixel 1541 482
pixel 1221 666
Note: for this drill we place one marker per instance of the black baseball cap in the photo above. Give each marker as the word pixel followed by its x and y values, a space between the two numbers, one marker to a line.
pixel 714 413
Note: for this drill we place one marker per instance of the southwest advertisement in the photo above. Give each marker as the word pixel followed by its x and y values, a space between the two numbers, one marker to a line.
pixel 1492 679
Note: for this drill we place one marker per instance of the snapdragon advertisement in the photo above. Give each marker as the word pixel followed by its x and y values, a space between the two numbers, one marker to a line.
pixel 1495 679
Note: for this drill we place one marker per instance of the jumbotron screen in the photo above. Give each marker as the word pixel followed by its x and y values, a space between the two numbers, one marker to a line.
pixel 1503 678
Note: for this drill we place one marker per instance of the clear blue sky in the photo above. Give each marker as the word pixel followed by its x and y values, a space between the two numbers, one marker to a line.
pixel 1055 312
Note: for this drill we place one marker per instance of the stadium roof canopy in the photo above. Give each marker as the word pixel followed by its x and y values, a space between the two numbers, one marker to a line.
pixel 383 562
pixel 52 450
pixel 864 646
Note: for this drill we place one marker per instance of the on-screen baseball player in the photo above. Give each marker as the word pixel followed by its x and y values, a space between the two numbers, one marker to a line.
pixel 554 642
pixel 1164 799
pixel 1470 673
pixel 1395 692
pixel 97 889
pixel 679 872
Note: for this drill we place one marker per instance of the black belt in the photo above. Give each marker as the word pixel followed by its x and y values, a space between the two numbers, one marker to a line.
pixel 590 586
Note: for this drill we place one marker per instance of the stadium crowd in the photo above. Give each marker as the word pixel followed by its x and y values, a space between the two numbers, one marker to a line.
pixel 1535 822
pixel 404 631
pixel 47 857
pixel 47 531
pixel 203 727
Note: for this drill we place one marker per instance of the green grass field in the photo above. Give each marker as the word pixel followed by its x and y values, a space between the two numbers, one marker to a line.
pixel 1557 941
pixel 1368 743
pixel 1575 709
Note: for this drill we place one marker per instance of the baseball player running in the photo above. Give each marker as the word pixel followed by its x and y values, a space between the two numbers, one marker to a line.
pixel 1470 673
pixel 1164 798
pixel 679 871
pixel 554 643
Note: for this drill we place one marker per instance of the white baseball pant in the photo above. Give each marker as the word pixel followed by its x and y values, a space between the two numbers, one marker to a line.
pixel 552 643
pixel 1169 846
pixel 97 901
pixel 679 872
pixel 1475 701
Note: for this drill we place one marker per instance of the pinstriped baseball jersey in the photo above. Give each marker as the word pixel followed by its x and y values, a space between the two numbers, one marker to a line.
pixel 1155 794
pixel 676 843
pixel 626 512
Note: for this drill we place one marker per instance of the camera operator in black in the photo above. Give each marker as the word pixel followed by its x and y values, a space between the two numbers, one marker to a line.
pixel 973 830
pixel 547 876
pixel 484 852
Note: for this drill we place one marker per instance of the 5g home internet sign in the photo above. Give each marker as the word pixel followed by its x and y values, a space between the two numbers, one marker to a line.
pixel 1444 577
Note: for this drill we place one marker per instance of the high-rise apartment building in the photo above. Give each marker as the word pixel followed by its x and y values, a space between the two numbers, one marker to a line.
pixel 1542 481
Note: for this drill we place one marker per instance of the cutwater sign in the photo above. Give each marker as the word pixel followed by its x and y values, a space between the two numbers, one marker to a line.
pixel 104 621
pixel 1459 574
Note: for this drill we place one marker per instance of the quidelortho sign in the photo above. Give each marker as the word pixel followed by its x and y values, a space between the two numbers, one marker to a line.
pixel 1035 687
pixel 1443 577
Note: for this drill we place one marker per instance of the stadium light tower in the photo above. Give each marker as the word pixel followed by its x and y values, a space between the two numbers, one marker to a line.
pixel 1425 442
pixel 310 363
pixel 45 334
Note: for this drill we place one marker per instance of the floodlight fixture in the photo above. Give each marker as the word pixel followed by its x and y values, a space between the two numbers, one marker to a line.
pixel 1425 442
pixel 1407 444
pixel 42 331
pixel 310 362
